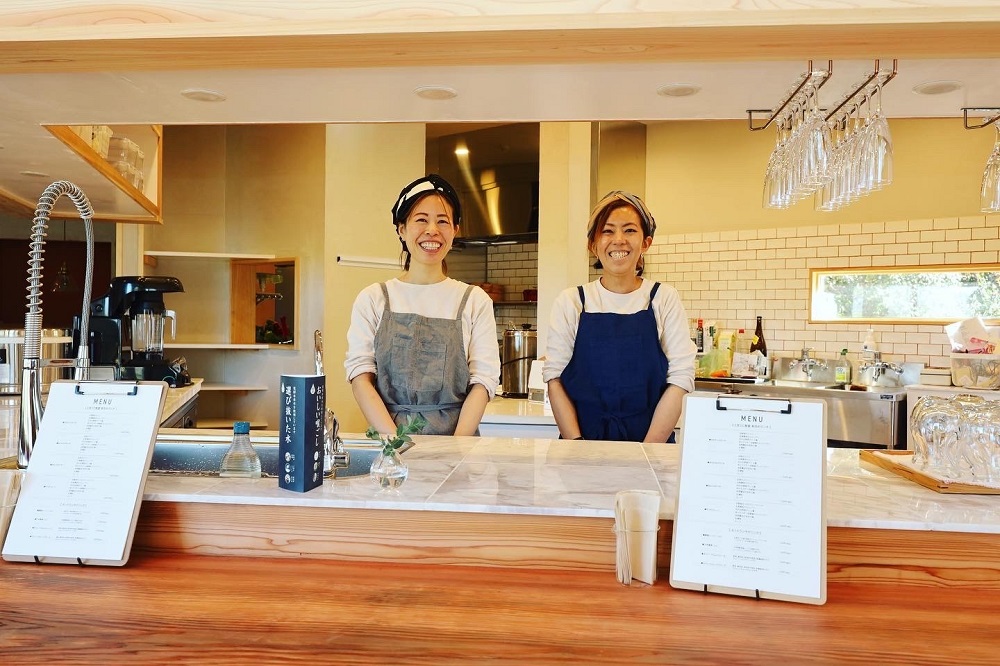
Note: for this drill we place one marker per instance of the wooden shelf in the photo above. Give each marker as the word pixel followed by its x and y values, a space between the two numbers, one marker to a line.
pixel 219 386
pixel 495 303
pixel 215 345
pixel 150 144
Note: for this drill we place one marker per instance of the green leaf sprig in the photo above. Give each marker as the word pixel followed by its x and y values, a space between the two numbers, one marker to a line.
pixel 414 424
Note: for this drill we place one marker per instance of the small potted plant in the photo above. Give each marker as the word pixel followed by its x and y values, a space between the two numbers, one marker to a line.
pixel 388 470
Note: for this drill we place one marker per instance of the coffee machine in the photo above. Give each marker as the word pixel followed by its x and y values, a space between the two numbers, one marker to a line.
pixel 127 327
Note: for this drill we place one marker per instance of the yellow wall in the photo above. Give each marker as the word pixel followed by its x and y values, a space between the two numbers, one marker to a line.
pixel 566 183
pixel 708 176
pixel 366 167
pixel 240 189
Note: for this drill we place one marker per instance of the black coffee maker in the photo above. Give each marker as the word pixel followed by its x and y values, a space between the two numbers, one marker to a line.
pixel 127 327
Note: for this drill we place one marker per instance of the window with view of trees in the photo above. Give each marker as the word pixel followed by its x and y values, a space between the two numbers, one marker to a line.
pixel 913 294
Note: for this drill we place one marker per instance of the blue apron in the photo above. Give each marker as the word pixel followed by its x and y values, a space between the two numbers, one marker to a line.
pixel 617 373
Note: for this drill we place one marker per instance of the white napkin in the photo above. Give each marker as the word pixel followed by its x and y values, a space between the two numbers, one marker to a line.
pixel 637 520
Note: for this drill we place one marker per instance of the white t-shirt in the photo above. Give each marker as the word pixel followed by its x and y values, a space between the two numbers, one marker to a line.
pixel 440 300
pixel 671 326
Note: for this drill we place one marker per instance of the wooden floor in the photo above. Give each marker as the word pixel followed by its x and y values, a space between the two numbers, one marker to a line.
pixel 222 610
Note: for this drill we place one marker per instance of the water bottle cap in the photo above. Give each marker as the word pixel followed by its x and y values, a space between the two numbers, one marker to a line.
pixel 241 428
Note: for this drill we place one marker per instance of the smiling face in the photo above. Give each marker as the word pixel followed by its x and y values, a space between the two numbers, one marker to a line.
pixel 429 230
pixel 620 242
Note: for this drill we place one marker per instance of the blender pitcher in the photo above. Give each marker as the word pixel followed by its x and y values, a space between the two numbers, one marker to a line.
pixel 147 332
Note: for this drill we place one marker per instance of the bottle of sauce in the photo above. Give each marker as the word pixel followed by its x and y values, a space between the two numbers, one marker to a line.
pixel 758 343
pixel 699 336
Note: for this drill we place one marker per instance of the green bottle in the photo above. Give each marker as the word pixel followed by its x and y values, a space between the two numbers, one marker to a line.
pixel 842 371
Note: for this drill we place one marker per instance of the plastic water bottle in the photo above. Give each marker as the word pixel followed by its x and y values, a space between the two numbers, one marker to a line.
pixel 241 460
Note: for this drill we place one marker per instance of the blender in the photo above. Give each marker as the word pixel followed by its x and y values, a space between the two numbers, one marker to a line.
pixel 127 328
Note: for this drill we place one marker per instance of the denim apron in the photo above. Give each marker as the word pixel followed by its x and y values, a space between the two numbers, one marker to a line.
pixel 617 373
pixel 422 367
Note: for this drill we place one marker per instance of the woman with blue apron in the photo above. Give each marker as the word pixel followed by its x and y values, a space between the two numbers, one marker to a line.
pixel 424 343
pixel 619 357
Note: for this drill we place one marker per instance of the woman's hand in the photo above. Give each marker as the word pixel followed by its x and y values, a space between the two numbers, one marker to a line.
pixel 563 410
pixel 370 402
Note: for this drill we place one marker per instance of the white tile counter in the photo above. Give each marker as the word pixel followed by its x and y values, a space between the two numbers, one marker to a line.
pixel 558 478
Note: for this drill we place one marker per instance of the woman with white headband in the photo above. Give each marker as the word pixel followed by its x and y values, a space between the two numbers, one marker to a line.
pixel 423 342
pixel 619 357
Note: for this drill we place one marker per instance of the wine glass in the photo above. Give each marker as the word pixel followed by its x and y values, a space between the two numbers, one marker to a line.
pixel 989 194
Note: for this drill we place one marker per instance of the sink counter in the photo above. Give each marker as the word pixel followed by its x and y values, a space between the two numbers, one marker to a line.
pixel 176 399
pixel 558 478
pixel 543 503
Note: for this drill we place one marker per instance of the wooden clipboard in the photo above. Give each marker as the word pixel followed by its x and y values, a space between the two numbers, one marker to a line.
pixel 82 489
pixel 751 498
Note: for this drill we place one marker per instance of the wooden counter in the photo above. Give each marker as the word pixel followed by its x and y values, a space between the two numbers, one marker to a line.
pixel 501 549
pixel 221 610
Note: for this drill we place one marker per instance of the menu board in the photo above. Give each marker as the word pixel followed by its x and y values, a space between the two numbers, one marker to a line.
pixel 750 507
pixel 82 489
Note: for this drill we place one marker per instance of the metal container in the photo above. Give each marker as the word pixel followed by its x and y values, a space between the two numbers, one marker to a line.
pixel 56 343
pixel 520 348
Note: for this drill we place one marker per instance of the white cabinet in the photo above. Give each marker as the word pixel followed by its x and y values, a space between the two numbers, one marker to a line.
pixel 515 417
pixel 538 430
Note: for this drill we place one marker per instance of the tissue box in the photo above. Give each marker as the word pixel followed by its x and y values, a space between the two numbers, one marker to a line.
pixel 300 432
pixel 976 370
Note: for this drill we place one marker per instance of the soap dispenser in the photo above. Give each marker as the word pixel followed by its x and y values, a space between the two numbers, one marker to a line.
pixel 868 347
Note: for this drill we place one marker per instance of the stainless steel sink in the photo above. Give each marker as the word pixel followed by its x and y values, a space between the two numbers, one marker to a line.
pixel 873 417
pixel 855 388
pixel 794 383
pixel 201 454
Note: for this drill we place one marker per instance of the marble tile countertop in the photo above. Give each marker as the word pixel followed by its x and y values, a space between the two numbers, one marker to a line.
pixel 555 477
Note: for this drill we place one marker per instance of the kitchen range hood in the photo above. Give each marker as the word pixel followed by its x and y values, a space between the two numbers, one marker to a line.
pixel 494 169
pixel 500 206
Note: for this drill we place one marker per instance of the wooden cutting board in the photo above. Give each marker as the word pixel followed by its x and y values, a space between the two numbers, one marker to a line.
pixel 884 460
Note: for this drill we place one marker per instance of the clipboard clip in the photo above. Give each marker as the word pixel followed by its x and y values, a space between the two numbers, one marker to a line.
pixel 753 404
pixel 116 388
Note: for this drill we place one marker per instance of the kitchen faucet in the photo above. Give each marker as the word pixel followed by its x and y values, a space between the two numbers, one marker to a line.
pixel 878 366
pixel 808 363
pixel 31 378
pixel 335 456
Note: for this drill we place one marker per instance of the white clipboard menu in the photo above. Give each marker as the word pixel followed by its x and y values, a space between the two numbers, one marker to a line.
pixel 83 485
pixel 751 516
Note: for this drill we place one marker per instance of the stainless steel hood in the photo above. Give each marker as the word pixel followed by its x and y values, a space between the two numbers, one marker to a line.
pixel 495 171
pixel 500 206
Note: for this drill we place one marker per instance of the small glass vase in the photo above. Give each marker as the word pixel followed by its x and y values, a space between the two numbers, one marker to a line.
pixel 389 471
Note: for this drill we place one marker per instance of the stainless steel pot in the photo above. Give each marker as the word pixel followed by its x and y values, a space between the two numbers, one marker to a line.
pixel 56 343
pixel 520 348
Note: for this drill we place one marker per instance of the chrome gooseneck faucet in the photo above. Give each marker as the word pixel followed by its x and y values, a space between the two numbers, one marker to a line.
pixel 31 377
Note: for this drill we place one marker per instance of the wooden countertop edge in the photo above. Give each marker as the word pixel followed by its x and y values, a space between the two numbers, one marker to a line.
pixel 951 559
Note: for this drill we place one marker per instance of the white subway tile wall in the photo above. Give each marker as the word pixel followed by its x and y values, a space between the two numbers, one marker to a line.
pixel 513 266
pixel 734 276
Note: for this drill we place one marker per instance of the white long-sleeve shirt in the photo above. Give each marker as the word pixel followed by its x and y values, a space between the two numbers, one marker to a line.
pixel 671 326
pixel 440 300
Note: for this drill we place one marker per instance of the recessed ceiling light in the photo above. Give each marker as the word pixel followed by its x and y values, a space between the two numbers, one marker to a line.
pixel 435 92
pixel 34 174
pixel 678 90
pixel 936 87
pixel 203 95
